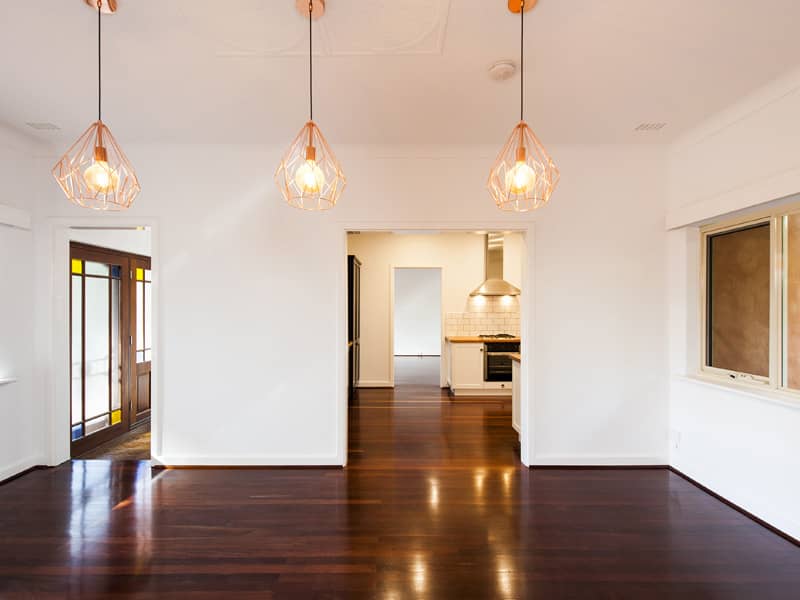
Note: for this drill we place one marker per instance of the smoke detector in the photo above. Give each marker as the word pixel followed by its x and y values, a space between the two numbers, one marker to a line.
pixel 503 70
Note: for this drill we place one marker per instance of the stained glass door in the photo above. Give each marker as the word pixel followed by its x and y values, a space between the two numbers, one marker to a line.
pixel 142 317
pixel 97 351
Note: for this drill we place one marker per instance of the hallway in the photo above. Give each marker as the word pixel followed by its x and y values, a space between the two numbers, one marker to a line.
pixel 416 370
pixel 434 504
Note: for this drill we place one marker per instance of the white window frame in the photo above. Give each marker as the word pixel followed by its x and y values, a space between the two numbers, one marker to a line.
pixel 777 220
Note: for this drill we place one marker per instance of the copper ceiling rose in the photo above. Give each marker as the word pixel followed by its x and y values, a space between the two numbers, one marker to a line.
pixel 513 5
pixel 318 8
pixel 109 7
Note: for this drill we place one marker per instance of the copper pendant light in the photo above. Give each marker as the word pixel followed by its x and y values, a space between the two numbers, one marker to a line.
pixel 524 175
pixel 94 172
pixel 309 175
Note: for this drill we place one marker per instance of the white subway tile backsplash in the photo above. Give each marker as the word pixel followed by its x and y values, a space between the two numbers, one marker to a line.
pixel 491 315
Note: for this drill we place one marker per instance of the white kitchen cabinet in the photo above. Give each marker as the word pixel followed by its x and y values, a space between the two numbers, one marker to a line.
pixel 465 372
pixel 466 366
pixel 515 394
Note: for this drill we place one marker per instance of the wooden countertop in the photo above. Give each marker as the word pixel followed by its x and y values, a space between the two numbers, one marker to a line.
pixel 515 356
pixel 475 339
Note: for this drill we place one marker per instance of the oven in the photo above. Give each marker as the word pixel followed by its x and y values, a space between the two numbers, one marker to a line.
pixel 496 360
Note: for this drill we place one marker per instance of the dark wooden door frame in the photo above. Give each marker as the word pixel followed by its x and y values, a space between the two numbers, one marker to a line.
pixel 81 251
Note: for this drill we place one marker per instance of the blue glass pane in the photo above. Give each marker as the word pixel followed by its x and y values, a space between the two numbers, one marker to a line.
pixel 116 271
pixel 77 432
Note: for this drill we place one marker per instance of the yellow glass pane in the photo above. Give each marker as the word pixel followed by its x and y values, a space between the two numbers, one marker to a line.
pixel 139 274
pixel 77 266
pixel 116 417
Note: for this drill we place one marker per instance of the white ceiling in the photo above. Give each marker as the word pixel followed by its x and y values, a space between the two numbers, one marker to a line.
pixel 388 71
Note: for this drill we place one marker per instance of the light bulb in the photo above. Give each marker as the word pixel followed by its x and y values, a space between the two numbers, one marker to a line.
pixel 520 179
pixel 100 177
pixel 309 177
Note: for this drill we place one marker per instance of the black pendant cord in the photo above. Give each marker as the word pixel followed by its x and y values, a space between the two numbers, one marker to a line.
pixel 522 60
pixel 99 62
pixel 310 64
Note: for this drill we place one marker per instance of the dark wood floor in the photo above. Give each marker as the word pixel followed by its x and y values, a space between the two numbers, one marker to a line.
pixel 434 504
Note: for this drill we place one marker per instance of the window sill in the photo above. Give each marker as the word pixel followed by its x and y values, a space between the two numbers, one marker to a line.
pixel 756 391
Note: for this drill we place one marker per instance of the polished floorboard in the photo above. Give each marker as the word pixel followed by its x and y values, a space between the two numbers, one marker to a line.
pixel 434 504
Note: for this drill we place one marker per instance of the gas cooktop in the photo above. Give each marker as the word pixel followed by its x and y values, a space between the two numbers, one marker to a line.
pixel 499 336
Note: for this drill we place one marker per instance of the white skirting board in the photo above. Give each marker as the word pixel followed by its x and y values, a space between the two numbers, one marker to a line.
pixel 596 460
pixel 244 461
pixel 375 384
pixel 23 465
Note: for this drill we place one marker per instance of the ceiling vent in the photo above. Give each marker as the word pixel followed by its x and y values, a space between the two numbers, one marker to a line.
pixel 43 126
pixel 650 126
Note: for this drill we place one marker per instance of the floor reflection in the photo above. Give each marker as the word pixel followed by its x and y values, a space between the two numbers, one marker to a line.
pixel 433 504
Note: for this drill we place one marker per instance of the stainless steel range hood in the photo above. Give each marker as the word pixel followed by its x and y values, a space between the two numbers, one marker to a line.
pixel 494 284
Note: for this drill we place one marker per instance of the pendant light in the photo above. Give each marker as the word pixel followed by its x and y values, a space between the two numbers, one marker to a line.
pixel 524 176
pixel 309 176
pixel 95 173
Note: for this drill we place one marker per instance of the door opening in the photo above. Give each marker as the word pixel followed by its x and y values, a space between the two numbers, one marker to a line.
pixel 110 310
pixel 417 326
pixel 467 324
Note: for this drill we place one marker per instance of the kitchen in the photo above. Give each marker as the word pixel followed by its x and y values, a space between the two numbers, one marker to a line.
pixel 478 322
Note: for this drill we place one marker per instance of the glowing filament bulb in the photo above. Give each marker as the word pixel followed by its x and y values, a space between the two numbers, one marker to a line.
pixel 309 177
pixel 99 176
pixel 520 179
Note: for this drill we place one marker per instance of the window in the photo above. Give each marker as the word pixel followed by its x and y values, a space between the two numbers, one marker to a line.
pixel 144 321
pixel 738 300
pixel 751 301
pixel 95 347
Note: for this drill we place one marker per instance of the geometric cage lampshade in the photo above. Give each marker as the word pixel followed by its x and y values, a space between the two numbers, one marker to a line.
pixel 309 176
pixel 95 173
pixel 524 176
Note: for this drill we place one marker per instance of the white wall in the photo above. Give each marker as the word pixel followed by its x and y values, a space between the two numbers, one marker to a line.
pixel 22 438
pixel 417 312
pixel 744 446
pixel 265 332
pixel 599 305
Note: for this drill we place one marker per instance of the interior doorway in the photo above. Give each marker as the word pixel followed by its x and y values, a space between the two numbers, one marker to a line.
pixel 468 320
pixel 110 316
pixel 417 329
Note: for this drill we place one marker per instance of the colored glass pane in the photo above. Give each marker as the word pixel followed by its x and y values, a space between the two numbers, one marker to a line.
pixel 116 417
pixel 77 266
pixel 139 274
